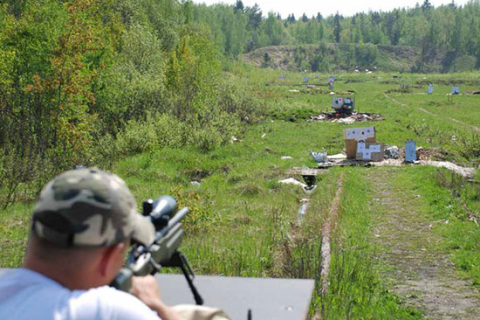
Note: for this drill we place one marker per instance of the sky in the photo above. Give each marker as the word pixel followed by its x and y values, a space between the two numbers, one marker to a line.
pixel 326 8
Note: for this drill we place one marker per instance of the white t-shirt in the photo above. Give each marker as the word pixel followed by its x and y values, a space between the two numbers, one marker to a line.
pixel 28 295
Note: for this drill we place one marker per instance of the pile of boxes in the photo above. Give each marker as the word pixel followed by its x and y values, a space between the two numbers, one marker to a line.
pixel 361 144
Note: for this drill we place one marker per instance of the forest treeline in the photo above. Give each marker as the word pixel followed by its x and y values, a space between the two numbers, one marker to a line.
pixel 83 82
pixel 444 34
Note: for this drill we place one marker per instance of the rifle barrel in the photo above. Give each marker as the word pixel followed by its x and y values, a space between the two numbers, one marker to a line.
pixel 176 219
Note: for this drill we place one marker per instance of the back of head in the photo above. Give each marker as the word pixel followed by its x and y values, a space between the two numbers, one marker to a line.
pixel 81 226
pixel 88 208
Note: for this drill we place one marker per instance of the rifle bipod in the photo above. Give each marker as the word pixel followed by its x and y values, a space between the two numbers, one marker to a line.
pixel 180 261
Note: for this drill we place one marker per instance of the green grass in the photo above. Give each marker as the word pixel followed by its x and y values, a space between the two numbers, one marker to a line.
pixel 14 226
pixel 461 236
pixel 244 223
pixel 357 289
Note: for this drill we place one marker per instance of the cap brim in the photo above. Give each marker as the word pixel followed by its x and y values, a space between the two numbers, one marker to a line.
pixel 143 230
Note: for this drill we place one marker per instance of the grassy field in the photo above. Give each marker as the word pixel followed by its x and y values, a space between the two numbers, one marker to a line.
pixel 243 222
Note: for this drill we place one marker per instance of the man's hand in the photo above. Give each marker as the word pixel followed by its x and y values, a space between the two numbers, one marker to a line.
pixel 146 289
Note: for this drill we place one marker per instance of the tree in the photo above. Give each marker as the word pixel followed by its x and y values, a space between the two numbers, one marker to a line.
pixel 304 18
pixel 238 6
pixel 337 27
pixel 254 15
pixel 291 18
pixel 266 60
pixel 188 11
pixel 392 24
pixel 426 6
pixel 273 30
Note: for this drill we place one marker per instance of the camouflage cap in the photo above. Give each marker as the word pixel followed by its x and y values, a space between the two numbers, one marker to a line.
pixel 89 208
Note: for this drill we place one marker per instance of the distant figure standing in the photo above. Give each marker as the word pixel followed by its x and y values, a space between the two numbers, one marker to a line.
pixel 430 89
pixel 331 80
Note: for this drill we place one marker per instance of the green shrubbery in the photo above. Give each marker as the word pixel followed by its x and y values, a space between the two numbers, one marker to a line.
pixel 233 111
pixel 470 146
pixel 107 80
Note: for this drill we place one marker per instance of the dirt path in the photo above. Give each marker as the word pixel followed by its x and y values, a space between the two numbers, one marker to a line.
pixel 433 114
pixel 421 272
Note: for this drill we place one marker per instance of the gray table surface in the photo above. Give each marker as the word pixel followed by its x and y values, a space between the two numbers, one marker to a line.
pixel 269 299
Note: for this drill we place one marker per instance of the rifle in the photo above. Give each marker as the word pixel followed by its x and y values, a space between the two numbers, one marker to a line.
pixel 143 260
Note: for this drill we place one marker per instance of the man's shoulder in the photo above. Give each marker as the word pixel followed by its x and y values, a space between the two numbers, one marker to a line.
pixel 109 303
pixel 108 296
pixel 106 293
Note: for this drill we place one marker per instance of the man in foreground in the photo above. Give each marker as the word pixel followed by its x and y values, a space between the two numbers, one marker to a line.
pixel 81 229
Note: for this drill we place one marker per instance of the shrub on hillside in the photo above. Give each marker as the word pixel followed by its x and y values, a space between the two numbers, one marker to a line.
pixel 138 136
pixel 470 146
pixel 237 100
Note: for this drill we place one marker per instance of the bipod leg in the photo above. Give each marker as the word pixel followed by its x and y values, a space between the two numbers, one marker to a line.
pixel 179 260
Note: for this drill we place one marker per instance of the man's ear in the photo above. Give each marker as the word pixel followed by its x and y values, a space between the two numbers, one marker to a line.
pixel 112 260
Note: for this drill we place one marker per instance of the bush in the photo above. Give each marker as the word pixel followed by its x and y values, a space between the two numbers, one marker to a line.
pixel 470 146
pixel 169 130
pixel 156 131
pixel 201 216
pixel 236 100
pixel 139 136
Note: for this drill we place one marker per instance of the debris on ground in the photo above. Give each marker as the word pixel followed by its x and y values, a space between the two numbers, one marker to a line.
pixel 319 157
pixel 195 183
pixel 472 92
pixel 361 149
pixel 286 158
pixel 233 139
pixel 431 154
pixel 305 171
pixel 294 181
pixel 303 209
pixel 339 156
pixel 354 117
pixel 465 172
pixel 392 152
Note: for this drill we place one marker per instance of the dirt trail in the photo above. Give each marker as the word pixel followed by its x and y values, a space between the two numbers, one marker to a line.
pixel 433 114
pixel 421 272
